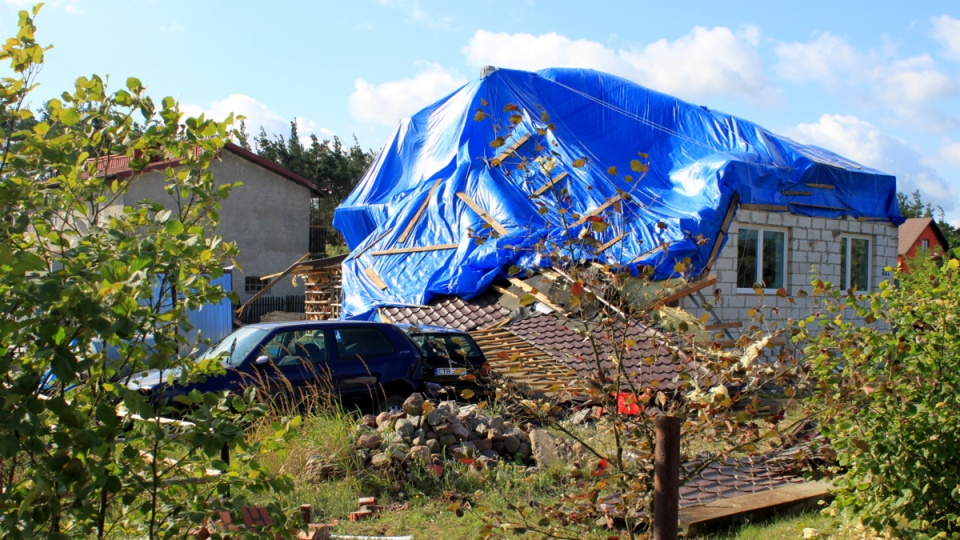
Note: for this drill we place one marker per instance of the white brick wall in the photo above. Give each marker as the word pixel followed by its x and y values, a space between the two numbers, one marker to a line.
pixel 813 250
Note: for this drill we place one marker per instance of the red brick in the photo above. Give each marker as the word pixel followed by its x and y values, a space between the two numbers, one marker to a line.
pixel 360 514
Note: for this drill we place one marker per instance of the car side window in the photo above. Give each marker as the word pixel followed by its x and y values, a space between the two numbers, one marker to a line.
pixel 295 347
pixel 362 343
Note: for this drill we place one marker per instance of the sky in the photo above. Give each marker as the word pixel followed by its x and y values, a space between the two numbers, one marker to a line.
pixel 877 82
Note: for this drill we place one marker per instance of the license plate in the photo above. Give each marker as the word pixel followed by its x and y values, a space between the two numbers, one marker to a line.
pixel 448 371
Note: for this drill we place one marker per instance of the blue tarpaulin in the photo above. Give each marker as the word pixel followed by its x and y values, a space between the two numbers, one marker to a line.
pixel 440 213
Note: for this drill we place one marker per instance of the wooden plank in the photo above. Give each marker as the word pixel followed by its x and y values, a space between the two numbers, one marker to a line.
pixel 371 244
pixel 548 185
pixel 610 202
pixel 765 207
pixel 693 519
pixel 374 277
pixel 538 295
pixel 724 227
pixel 509 150
pixel 416 249
pixel 287 271
pixel 817 206
pixel 661 247
pixel 482 213
pixel 416 217
pixel 607 246
pixel 732 343
pixel 798 193
pixel 723 326
pixel 686 291
pixel 821 186
pixel 269 286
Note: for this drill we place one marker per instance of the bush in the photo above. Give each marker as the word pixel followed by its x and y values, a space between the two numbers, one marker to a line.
pixel 887 394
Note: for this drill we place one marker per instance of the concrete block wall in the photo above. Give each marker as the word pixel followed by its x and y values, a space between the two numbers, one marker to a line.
pixel 813 251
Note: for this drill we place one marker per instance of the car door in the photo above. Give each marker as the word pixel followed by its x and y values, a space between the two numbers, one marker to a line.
pixel 356 368
pixel 295 363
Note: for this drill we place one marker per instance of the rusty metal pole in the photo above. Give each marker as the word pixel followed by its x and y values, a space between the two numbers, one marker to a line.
pixel 666 479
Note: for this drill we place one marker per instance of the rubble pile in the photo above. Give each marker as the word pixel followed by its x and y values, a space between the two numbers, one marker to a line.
pixel 429 434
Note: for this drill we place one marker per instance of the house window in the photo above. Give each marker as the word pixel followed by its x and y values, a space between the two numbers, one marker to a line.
pixel 925 244
pixel 761 258
pixel 855 263
pixel 253 284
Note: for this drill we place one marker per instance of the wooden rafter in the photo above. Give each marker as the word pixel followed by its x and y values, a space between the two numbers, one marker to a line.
pixel 822 186
pixel 416 217
pixel 661 247
pixel 683 292
pixel 609 244
pixel 375 277
pixel 798 193
pixel 765 207
pixel 371 244
pixel 543 189
pixel 415 249
pixel 724 227
pixel 610 202
pixel 482 213
pixel 819 207
pixel 508 151
pixel 542 298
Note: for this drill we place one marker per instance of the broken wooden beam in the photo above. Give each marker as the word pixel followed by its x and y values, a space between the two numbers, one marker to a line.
pixel 415 249
pixel 718 241
pixel 607 246
pixel 533 291
pixel 610 202
pixel 685 291
pixel 548 185
pixel 508 151
pixel 482 213
pixel 416 217
pixel 765 207
pixel 375 277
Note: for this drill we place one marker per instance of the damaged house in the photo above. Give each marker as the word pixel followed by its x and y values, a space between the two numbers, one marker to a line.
pixel 466 188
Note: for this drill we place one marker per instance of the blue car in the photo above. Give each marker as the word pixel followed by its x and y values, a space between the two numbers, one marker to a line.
pixel 366 365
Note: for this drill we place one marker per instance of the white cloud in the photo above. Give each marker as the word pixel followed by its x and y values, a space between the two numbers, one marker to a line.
pixel 704 63
pixel 950 153
pixel 386 103
pixel 416 14
pixel 257 115
pixel 862 142
pixel 907 87
pixel 946 30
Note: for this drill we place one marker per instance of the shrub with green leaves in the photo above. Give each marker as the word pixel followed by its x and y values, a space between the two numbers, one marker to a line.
pixel 887 392
pixel 82 455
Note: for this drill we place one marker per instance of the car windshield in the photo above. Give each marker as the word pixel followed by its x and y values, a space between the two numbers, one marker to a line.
pixel 235 347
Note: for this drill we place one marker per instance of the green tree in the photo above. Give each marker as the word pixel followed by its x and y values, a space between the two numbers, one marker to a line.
pixel 85 456
pixel 332 167
pixel 887 371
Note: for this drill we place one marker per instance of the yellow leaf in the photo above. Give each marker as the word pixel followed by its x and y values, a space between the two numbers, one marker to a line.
pixel 612 170
pixel 467 393
pixel 679 268
pixel 544 116
pixel 637 166
pixel 427 407
pixel 577 163
pixel 515 119
pixel 953 264
pixel 479 116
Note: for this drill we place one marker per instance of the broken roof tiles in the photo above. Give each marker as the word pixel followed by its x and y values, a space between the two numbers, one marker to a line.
pixel 453 312
pixel 651 358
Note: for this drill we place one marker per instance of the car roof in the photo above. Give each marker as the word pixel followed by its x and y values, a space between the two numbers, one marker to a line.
pixel 313 324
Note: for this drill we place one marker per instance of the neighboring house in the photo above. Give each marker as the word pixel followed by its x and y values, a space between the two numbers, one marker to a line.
pixel 268 216
pixel 919 234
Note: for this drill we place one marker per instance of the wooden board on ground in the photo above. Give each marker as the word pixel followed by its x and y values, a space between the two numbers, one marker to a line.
pixel 722 512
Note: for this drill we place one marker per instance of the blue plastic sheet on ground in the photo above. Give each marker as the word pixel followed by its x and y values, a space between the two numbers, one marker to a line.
pixel 699 162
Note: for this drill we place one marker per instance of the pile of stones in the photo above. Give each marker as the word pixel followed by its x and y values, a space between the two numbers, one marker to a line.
pixel 428 433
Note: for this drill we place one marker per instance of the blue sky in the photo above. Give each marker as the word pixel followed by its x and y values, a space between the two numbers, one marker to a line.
pixel 878 82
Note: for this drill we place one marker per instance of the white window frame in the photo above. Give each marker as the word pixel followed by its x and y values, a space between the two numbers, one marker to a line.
pixel 758 270
pixel 845 272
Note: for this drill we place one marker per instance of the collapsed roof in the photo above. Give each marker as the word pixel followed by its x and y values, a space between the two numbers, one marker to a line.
pixel 442 211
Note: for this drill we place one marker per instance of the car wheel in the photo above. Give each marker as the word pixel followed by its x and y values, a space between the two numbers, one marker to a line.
pixel 393 404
